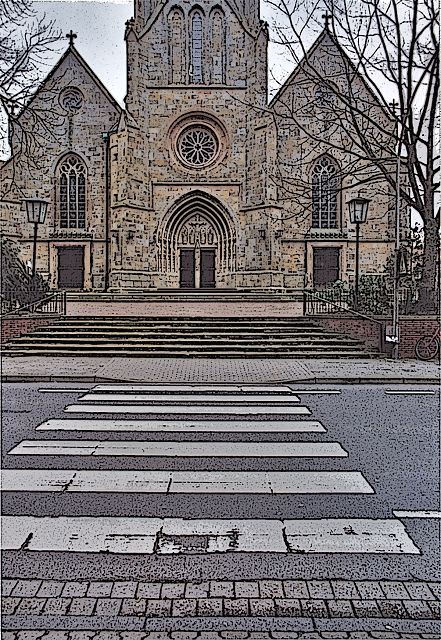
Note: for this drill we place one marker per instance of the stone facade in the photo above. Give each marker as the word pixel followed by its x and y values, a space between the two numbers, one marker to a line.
pixel 197 182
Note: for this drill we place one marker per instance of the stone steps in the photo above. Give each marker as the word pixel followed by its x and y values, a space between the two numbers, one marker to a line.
pixel 303 354
pixel 195 295
pixel 169 337
pixel 178 339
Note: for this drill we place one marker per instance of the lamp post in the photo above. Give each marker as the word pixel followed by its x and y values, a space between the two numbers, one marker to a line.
pixel 36 209
pixel 358 210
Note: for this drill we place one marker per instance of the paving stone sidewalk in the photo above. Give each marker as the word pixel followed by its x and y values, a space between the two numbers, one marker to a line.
pixel 126 605
pixel 214 635
pixel 220 370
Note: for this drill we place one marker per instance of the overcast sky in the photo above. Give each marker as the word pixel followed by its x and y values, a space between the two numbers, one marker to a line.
pixel 100 28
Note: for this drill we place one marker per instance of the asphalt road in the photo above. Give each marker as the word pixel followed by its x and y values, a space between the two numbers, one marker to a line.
pixel 393 440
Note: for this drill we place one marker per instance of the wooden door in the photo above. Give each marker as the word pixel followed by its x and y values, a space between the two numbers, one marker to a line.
pixel 187 269
pixel 70 267
pixel 326 266
pixel 208 268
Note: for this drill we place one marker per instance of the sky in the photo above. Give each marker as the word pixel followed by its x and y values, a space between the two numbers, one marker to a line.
pixel 100 26
pixel 100 36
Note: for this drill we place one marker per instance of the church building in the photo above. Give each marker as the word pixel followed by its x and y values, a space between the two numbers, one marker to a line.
pixel 199 182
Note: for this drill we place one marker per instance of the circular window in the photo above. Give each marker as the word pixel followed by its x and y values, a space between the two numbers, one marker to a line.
pixel 71 99
pixel 324 96
pixel 197 146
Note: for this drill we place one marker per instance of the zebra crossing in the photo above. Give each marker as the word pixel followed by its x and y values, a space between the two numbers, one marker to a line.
pixel 214 411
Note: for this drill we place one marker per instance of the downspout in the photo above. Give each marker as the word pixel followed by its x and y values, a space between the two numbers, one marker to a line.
pixel 106 139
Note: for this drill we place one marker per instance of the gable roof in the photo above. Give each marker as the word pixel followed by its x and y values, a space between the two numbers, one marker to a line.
pixel 72 51
pixel 326 35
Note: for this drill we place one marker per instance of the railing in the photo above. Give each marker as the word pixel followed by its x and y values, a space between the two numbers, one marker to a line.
pixel 317 303
pixel 54 304
pixel 341 301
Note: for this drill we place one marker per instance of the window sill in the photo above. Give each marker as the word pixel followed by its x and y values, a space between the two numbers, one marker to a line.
pixel 326 233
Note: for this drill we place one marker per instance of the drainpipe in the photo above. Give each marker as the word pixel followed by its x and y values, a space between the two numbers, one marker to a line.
pixel 106 139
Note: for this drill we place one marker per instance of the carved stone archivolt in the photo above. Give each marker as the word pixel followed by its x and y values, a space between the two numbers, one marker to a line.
pixel 197 232
pixel 197 221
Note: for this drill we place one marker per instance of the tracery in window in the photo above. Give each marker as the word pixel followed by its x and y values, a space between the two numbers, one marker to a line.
pixel 196 30
pixel 197 146
pixel 325 188
pixel 72 193
pixel 217 47
pixel 71 99
pixel 177 46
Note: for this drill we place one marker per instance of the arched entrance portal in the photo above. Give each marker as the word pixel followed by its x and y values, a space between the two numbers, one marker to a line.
pixel 197 244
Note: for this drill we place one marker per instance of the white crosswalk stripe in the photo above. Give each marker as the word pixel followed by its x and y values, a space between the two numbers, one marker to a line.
pixel 194 399
pixel 194 409
pixel 185 426
pixel 191 410
pixel 191 388
pixel 271 482
pixel 142 535
pixel 179 449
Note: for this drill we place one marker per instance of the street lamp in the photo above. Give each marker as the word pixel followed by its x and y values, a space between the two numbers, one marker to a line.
pixel 36 209
pixel 358 210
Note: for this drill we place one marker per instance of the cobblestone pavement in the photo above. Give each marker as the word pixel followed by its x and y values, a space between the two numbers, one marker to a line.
pixel 221 370
pixel 131 602
pixel 214 635
pixel 321 598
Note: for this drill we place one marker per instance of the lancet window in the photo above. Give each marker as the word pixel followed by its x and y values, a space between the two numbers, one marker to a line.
pixel 72 193
pixel 177 46
pixel 196 40
pixel 217 47
pixel 325 190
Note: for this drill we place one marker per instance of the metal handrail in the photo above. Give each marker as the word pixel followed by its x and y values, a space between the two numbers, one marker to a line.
pixel 57 294
pixel 340 306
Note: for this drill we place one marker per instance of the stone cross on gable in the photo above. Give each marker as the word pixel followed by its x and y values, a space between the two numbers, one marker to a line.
pixel 71 37
pixel 394 106
pixel 327 18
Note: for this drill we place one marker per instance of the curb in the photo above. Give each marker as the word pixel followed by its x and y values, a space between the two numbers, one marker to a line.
pixel 99 379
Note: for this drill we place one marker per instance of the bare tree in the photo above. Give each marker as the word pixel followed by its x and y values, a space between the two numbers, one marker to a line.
pixel 26 44
pixel 377 48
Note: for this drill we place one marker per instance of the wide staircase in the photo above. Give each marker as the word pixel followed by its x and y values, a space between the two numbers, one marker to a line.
pixel 186 337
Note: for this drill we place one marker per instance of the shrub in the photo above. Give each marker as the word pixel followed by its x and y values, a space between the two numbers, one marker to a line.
pixel 18 285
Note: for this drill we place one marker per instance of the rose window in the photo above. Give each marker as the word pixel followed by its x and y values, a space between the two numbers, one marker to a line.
pixel 198 146
pixel 71 99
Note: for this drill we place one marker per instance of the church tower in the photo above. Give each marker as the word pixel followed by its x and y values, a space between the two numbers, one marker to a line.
pixel 182 160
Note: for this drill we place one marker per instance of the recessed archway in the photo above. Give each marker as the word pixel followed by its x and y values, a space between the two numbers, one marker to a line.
pixel 197 243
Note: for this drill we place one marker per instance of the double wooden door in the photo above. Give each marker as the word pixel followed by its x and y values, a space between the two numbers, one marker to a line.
pixel 197 269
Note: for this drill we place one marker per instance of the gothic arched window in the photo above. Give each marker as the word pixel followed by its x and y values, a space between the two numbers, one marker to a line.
pixel 325 189
pixel 176 46
pixel 196 29
pixel 72 193
pixel 217 47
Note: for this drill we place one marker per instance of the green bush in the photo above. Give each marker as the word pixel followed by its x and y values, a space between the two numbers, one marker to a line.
pixel 18 285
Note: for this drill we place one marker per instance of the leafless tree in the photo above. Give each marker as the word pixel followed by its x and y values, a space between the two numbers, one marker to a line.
pixel 27 42
pixel 393 46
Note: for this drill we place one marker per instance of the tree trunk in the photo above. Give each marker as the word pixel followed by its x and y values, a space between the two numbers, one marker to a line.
pixel 428 297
